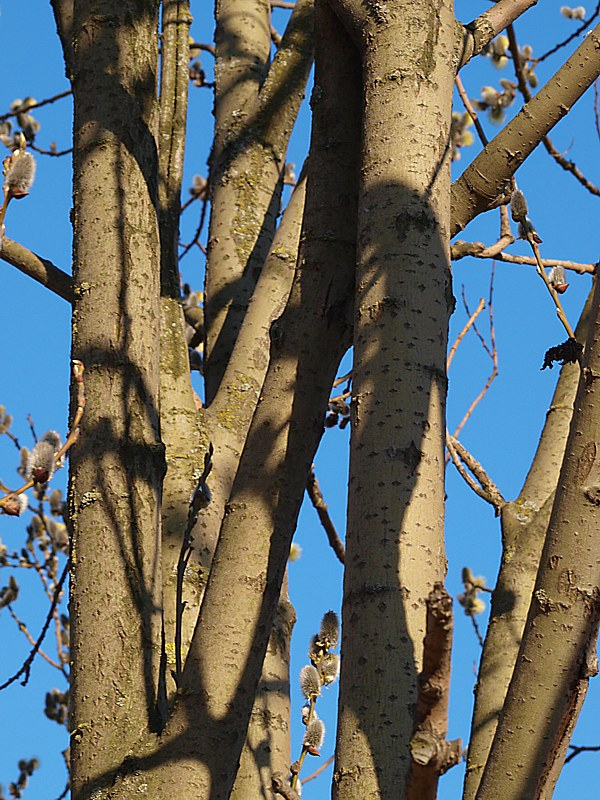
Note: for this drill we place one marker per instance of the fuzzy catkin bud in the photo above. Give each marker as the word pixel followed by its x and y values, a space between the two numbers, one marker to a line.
pixel 518 205
pixel 558 280
pixel 15 505
pixel 314 650
pixel 53 438
pixel 20 175
pixel 330 667
pixel 314 735
pixel 310 683
pixel 330 629
pixel 40 464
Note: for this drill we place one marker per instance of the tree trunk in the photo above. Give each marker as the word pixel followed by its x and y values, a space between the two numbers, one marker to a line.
pixel 395 550
pixel 118 464
pixel 557 653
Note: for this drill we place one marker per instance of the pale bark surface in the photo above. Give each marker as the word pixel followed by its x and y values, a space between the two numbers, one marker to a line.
pixel 362 249
pixel 524 523
pixel 255 109
pixel 267 746
pixel 117 469
pixel 557 654
pixel 227 652
pixel 394 550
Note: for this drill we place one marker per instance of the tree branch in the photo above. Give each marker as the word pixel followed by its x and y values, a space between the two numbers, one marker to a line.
pixel 563 616
pixel 26 668
pixel 430 751
pixel 485 486
pixel 486 179
pixel 38 268
pixel 460 249
pixel 577 32
pixel 226 655
pixel 42 103
pixel 524 524
pixel 481 31
pixel 246 182
pixel 314 492
pixel 563 162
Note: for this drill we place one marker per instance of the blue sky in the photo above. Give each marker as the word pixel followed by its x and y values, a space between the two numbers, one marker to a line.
pixel 503 432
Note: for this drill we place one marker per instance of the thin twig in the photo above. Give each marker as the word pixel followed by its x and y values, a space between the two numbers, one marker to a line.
pixel 491 350
pixel 460 249
pixel 476 629
pixel 485 486
pixel 276 37
pixel 65 791
pixel 196 239
pixel 567 165
pixel 493 375
pixel 464 332
pixel 580 749
pixel 36 105
pixel 472 113
pixel 319 770
pixel 344 379
pixel 15 441
pixel 23 628
pixel 32 427
pixel 340 397
pixel 56 153
pixel 574 35
pixel 531 238
pixel 207 48
pixel 26 668
pixel 314 492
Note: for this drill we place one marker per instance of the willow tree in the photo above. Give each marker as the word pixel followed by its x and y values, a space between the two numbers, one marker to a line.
pixel 178 607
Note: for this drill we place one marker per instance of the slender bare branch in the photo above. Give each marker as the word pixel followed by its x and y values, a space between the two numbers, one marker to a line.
pixel 485 179
pixel 576 750
pixel 577 32
pixel 491 493
pixel 23 628
pixel 318 771
pixel 565 163
pixel 464 332
pixel 460 249
pixel 563 613
pixel 46 102
pixel 316 497
pixel 472 113
pixel 26 667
